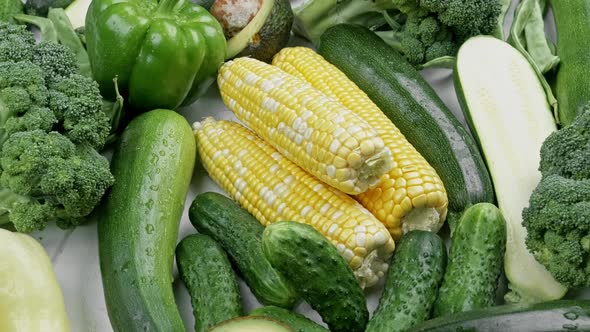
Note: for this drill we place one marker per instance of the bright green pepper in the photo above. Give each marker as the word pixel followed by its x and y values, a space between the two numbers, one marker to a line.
pixel 165 54
pixel 30 297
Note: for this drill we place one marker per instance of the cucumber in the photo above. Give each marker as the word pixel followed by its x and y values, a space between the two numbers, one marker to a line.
pixel 414 276
pixel 475 261
pixel 297 322
pixel 414 107
pixel 318 271
pixel 138 227
pixel 572 86
pixel 251 324
pixel 506 107
pixel 239 233
pixel 210 280
pixel 563 315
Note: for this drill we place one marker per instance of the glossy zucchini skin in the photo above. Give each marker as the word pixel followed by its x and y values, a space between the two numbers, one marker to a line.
pixel 475 261
pixel 240 234
pixel 572 87
pixel 414 107
pixel 138 227
pixel 320 274
pixel 207 274
pixel 553 316
pixel 413 279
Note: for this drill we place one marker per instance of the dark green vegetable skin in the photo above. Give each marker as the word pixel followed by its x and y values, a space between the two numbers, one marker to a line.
pixel 137 231
pixel 297 322
pixel 572 87
pixel 239 233
pixel 321 276
pixel 207 273
pixel 563 315
pixel 414 107
pixel 413 279
pixel 475 261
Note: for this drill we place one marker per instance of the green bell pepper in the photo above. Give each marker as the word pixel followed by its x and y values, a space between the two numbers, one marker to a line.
pixel 30 297
pixel 164 54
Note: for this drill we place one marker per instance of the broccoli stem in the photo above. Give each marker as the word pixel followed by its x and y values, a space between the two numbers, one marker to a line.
pixel 47 28
pixel 316 16
pixel 5 114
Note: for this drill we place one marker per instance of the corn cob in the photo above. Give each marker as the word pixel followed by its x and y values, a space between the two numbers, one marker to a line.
pixel 411 195
pixel 272 188
pixel 314 131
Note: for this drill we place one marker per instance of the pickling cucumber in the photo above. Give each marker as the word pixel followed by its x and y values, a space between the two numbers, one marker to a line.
pixel 320 274
pixel 475 261
pixel 239 233
pixel 210 280
pixel 251 324
pixel 138 226
pixel 414 276
pixel 297 322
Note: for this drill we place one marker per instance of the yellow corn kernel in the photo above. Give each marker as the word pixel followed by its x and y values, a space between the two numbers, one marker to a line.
pixel 272 188
pixel 419 198
pixel 309 128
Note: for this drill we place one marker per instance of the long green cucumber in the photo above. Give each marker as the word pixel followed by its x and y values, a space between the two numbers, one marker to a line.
pixel 414 276
pixel 207 273
pixel 414 107
pixel 572 86
pixel 239 233
pixel 297 322
pixel 320 274
pixel 475 261
pixel 137 231
pixel 563 315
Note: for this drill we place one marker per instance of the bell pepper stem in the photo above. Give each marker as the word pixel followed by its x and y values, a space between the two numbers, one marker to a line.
pixel 166 6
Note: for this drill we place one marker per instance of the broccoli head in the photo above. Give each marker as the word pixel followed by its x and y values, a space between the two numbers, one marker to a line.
pixel 468 18
pixel 45 177
pixel 558 216
pixel 55 60
pixel 566 152
pixel 16 42
pixel 558 228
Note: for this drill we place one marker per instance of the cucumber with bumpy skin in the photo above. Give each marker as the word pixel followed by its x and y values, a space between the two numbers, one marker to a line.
pixel 251 324
pixel 475 261
pixel 297 322
pixel 414 276
pixel 239 233
pixel 210 280
pixel 322 277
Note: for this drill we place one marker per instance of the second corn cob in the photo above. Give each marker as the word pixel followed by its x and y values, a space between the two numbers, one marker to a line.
pixel 309 128
pixel 272 188
pixel 411 195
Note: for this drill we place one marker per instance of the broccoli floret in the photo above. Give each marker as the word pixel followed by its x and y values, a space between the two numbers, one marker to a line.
pixel 558 216
pixel 558 228
pixel 77 105
pixel 439 49
pixel 470 18
pixel 567 152
pixel 55 60
pixel 16 42
pixel 47 177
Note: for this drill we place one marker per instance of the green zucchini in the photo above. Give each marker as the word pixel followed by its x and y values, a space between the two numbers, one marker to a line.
pixel 475 261
pixel 563 315
pixel 137 231
pixel 414 107
pixel 297 322
pixel 506 107
pixel 251 324
pixel 414 276
pixel 239 233
pixel 210 280
pixel 318 271
pixel 572 86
